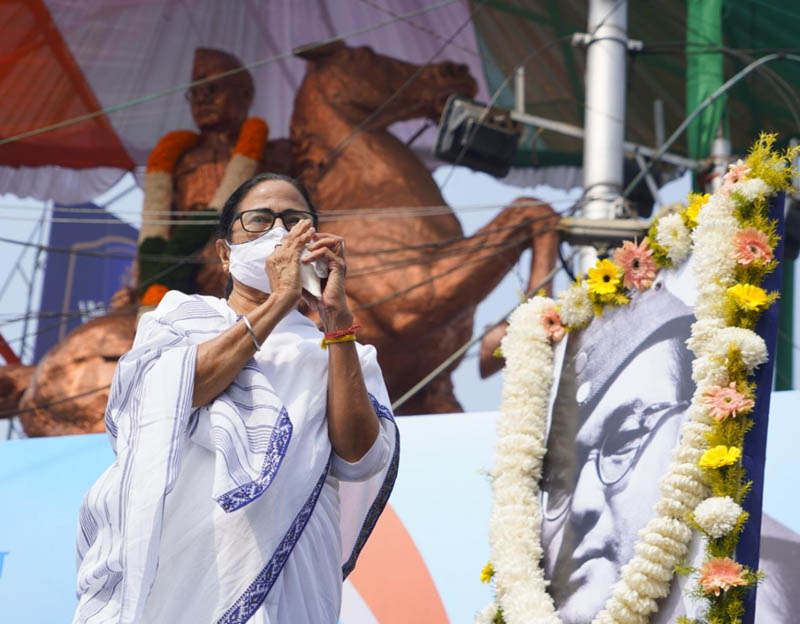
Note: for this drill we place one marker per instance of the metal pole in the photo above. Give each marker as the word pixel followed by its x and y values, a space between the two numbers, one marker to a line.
pixel 604 119
pixel 721 158
pixel 784 359
pixel 658 122
pixel 519 90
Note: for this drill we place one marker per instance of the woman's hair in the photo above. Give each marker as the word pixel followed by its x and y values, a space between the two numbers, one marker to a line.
pixel 228 213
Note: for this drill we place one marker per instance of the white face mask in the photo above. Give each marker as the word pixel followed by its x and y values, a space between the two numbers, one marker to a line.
pixel 247 263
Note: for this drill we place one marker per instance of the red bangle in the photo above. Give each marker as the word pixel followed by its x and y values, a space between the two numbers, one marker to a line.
pixel 342 332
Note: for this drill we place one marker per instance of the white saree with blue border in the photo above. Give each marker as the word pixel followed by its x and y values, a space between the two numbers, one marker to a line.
pixel 237 511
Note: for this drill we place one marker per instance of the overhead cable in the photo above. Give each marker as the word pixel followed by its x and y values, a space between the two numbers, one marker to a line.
pixel 433 278
pixel 348 214
pixel 13 413
pixel 703 105
pixel 376 269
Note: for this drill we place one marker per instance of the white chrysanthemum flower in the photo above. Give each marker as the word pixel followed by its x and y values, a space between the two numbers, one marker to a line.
pixel 694 434
pixel 487 614
pixel 657 567
pixel 671 528
pixel 702 332
pixel 718 515
pixel 711 244
pixel 718 214
pixel 574 306
pixel 623 613
pixel 686 453
pixel 707 370
pixel 752 189
pixel 718 204
pixel 673 235
pixel 711 306
pixel 751 346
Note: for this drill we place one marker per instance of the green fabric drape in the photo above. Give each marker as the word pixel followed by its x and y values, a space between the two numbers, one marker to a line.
pixel 703 72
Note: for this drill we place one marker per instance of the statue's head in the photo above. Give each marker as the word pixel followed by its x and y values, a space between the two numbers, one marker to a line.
pixel 220 104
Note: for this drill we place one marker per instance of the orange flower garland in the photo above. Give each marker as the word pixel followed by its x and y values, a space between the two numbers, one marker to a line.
pixel 159 184
pixel 170 148
pixel 252 138
pixel 154 294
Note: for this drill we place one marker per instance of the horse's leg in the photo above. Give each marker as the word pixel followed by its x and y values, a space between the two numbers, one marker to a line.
pixel 470 268
pixel 544 258
pixel 464 271
pixel 14 379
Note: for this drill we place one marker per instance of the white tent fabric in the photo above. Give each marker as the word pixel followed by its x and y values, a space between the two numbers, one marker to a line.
pixel 129 49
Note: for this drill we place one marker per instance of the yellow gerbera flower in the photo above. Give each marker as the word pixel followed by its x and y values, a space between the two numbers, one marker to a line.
pixel 487 573
pixel 749 297
pixel 719 456
pixel 604 278
pixel 696 202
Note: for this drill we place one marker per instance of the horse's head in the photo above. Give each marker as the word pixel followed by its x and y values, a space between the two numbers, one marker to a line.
pixel 358 81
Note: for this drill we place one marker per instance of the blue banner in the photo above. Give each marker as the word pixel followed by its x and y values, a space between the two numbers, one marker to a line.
pixel 89 258
pixel 755 446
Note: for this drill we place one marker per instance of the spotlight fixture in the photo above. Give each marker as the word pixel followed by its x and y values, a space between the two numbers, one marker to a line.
pixel 481 139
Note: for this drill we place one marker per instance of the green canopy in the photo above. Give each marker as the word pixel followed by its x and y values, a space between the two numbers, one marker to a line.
pixel 677 38
pixel 689 51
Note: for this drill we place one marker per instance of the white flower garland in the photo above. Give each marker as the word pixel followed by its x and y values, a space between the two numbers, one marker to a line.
pixel 515 525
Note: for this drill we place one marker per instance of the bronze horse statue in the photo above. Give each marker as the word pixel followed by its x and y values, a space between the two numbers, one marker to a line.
pixel 414 280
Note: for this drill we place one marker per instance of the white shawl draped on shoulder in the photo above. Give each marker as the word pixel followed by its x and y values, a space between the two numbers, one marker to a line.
pixel 236 511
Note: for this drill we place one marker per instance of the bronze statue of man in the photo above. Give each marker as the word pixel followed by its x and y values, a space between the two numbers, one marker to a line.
pixel 219 109
pixel 188 172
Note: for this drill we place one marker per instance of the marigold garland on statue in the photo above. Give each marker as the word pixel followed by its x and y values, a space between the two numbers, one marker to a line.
pixel 732 239
pixel 158 186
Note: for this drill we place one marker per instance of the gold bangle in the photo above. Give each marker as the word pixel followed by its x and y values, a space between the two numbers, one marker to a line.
pixel 345 338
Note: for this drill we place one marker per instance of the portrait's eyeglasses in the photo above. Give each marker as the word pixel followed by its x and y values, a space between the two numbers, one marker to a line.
pixel 261 220
pixel 618 453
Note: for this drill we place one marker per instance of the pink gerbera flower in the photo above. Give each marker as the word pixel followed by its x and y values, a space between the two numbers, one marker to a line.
pixel 720 573
pixel 552 324
pixel 724 402
pixel 736 173
pixel 751 245
pixel 637 264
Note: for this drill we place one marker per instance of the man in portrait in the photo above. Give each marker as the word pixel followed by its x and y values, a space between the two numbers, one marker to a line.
pixel 623 395
pixel 624 392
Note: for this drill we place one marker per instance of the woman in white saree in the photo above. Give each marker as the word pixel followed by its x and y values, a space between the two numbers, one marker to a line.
pixel 251 465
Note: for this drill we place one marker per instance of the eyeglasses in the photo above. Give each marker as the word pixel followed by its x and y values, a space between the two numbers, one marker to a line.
pixel 197 92
pixel 618 453
pixel 261 220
